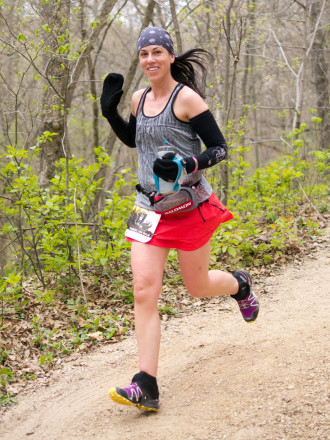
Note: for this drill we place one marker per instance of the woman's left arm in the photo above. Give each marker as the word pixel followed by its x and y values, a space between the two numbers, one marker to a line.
pixel 192 108
pixel 208 130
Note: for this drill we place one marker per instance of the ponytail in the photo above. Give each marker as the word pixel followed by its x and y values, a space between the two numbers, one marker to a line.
pixel 189 69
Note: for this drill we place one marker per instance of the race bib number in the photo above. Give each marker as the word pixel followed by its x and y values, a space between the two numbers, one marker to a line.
pixel 141 224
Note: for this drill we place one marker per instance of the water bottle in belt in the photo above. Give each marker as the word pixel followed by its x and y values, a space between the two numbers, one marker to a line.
pixel 168 187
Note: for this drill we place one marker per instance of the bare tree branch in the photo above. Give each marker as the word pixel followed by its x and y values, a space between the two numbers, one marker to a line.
pixel 176 27
pixel 283 53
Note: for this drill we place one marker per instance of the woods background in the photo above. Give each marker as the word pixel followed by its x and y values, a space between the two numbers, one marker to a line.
pixel 270 63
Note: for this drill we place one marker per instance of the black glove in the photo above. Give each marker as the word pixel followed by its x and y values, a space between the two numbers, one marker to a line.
pixel 165 168
pixel 111 94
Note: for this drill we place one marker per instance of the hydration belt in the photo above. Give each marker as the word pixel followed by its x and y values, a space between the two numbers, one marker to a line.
pixel 186 199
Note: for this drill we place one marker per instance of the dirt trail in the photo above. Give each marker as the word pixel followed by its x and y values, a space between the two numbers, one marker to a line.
pixel 219 377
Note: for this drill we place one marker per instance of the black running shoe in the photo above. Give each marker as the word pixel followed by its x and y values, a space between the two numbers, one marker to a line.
pixel 134 395
pixel 249 306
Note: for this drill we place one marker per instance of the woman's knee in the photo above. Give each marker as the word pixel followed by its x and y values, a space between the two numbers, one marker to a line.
pixel 196 290
pixel 146 291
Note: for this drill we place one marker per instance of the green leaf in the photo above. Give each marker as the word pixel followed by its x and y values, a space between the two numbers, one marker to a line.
pixel 21 37
pixel 232 251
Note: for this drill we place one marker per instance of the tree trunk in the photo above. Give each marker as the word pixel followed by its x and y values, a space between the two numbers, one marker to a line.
pixel 57 15
pixel 224 171
pixel 320 76
pixel 300 79
pixel 248 80
pixel 63 76
pixel 91 68
pixel 3 253
pixel 176 27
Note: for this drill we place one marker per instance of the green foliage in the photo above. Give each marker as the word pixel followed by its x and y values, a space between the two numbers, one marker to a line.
pixel 6 377
pixel 11 296
pixel 167 310
pixel 266 205
pixel 58 229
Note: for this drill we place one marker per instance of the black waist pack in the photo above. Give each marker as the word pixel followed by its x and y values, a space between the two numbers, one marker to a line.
pixel 184 200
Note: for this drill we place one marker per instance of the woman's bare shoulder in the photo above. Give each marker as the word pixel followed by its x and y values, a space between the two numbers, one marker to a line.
pixel 189 104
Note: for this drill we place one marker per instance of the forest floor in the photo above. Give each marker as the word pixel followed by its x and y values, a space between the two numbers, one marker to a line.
pixel 219 377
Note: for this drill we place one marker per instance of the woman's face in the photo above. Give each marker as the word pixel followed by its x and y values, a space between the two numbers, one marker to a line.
pixel 155 61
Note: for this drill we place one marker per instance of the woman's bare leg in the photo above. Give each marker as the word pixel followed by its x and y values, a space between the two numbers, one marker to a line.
pixel 148 264
pixel 199 280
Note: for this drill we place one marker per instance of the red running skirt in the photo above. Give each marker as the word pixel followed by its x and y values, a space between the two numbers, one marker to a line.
pixel 191 230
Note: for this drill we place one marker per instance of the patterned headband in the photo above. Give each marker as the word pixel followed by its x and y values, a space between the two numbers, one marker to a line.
pixel 155 36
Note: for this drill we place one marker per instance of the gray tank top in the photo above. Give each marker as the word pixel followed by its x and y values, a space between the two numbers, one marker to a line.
pixel 151 133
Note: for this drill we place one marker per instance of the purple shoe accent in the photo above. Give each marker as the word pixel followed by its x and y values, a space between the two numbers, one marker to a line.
pixel 134 392
pixel 249 307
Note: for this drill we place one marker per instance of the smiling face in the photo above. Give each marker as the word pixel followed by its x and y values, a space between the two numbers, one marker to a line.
pixel 155 61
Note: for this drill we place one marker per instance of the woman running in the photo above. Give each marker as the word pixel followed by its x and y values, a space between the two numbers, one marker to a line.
pixel 170 113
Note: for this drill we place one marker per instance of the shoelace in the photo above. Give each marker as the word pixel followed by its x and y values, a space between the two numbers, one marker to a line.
pixel 246 303
pixel 134 391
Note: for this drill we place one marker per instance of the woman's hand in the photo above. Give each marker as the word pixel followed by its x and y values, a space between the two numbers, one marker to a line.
pixel 166 168
pixel 111 94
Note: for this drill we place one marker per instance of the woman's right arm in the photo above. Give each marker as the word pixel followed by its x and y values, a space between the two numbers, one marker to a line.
pixel 110 98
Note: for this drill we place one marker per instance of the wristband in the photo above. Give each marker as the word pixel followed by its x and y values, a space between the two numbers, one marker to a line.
pixel 196 164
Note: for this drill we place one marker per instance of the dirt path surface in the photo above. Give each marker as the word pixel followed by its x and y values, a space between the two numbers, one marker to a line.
pixel 219 377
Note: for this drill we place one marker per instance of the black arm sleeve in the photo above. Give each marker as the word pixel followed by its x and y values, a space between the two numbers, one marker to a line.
pixel 216 148
pixel 125 131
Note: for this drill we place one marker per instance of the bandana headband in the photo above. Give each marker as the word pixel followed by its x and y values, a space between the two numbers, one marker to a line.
pixel 155 36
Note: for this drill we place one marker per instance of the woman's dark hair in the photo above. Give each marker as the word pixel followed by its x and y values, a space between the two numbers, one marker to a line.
pixel 189 69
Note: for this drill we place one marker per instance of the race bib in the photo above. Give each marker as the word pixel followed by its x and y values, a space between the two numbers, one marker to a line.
pixel 141 224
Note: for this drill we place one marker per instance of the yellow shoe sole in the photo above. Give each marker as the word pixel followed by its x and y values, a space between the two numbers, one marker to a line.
pixel 121 400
